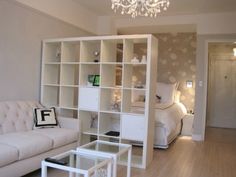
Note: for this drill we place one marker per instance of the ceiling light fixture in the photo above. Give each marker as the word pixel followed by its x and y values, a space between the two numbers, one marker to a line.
pixel 140 7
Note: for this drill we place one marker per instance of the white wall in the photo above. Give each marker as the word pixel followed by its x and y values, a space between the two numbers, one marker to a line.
pixel 215 23
pixel 69 11
pixel 202 72
pixel 21 32
pixel 106 26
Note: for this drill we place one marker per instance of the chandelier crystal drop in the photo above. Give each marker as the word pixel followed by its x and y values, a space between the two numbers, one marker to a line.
pixel 140 7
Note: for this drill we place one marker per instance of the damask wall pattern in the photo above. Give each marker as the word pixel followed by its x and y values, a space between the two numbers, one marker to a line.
pixel 177 63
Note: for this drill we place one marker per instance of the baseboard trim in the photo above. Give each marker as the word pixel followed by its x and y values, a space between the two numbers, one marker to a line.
pixel 197 137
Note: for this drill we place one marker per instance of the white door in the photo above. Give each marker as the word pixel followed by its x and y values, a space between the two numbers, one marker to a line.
pixel 222 92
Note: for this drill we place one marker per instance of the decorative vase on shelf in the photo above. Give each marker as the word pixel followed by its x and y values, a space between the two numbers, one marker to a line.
pixel 135 60
pixel 96 54
pixel 58 53
pixel 94 121
pixel 115 106
pixel 139 85
pixel 144 59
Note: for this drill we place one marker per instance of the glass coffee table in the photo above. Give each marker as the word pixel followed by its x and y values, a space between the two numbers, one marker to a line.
pixel 109 149
pixel 79 164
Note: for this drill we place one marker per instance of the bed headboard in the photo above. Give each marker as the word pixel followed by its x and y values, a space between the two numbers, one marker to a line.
pixel 177 96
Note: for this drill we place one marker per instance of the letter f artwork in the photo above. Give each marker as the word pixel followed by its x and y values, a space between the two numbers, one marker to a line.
pixel 45 117
pixel 45 113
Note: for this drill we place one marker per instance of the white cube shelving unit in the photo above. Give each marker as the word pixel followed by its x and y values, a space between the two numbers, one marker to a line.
pixel 66 64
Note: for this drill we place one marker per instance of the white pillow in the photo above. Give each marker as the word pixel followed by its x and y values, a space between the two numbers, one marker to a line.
pixel 166 92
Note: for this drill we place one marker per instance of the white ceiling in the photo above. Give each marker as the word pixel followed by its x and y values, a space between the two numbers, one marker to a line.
pixel 177 7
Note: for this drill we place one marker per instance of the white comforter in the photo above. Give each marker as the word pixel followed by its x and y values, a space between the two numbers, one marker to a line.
pixel 169 115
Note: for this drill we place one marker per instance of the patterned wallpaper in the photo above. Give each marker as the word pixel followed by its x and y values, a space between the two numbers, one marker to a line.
pixel 177 63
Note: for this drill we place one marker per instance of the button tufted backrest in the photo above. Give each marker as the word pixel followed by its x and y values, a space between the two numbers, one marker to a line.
pixel 16 116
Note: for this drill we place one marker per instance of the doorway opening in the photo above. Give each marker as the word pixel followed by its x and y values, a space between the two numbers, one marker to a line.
pixel 221 99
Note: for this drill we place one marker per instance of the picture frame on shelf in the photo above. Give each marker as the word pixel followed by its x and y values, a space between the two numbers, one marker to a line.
pixel 91 79
pixel 96 81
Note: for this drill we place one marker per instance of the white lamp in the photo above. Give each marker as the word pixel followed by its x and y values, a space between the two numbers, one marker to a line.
pixel 234 52
pixel 189 84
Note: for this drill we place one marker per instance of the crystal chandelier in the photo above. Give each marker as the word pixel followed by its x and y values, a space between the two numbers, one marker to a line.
pixel 140 7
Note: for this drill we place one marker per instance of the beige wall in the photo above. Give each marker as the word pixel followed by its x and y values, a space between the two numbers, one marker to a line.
pixel 21 32
pixel 176 63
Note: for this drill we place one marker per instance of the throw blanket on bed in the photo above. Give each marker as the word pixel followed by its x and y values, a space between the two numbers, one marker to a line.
pixel 167 114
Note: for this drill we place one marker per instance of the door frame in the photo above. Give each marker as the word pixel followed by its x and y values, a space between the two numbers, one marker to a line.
pixel 226 58
pixel 206 74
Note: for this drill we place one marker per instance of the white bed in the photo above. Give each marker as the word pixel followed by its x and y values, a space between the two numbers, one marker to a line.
pixel 168 116
pixel 168 124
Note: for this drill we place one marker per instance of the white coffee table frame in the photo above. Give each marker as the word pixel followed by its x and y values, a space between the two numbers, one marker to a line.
pixel 76 170
pixel 126 148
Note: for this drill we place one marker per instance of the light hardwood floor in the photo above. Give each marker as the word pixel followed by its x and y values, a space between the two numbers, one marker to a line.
pixel 215 157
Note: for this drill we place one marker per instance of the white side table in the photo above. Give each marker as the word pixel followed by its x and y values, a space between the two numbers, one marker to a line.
pixel 78 163
pixel 187 125
pixel 109 149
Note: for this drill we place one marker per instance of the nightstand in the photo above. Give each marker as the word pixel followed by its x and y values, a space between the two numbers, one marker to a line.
pixel 187 125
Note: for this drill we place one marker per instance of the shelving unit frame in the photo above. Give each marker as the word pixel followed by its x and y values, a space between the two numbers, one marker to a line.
pixel 66 64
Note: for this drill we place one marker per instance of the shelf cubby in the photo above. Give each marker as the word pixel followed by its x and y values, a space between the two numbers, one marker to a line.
pixel 111 75
pixel 109 139
pixel 52 52
pixel 89 98
pixel 126 101
pixel 89 122
pixel 69 74
pixel 135 48
pixel 112 51
pixel 51 96
pixel 51 74
pixel 110 99
pixel 134 75
pixel 132 95
pixel 70 113
pixel 88 50
pixel 109 122
pixel 70 52
pixel 69 97
pixel 87 138
pixel 86 70
pixel 137 95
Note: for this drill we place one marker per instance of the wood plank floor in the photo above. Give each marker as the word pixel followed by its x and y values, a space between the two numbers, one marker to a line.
pixel 215 157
